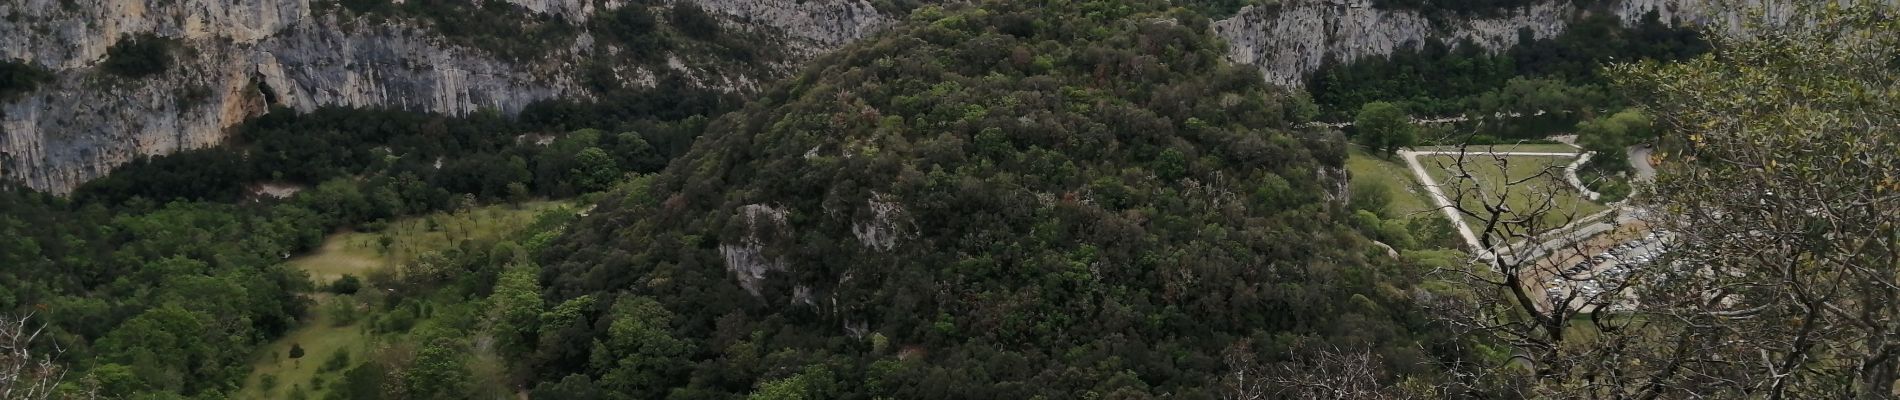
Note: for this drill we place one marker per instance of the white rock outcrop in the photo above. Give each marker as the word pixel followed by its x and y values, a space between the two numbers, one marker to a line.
pixel 814 25
pixel 745 255
pixel 85 122
pixel 1293 38
pixel 881 232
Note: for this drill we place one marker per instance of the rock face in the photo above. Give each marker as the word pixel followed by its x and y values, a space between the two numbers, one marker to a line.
pixel 1293 38
pixel 85 122
pixel 813 25
pixel 746 255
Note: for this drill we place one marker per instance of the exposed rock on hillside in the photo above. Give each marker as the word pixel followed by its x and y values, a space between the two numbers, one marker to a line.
pixel 84 123
pixel 987 181
pixel 235 56
pixel 1293 38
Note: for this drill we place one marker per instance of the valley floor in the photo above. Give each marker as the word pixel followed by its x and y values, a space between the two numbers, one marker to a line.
pixel 339 324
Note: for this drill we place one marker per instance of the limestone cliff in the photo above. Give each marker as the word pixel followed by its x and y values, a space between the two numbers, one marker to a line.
pixel 85 122
pixel 1293 38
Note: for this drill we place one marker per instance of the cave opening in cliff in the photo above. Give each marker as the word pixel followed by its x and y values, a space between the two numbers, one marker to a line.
pixel 270 96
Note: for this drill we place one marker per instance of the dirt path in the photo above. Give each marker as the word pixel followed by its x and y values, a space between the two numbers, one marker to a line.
pixel 1444 202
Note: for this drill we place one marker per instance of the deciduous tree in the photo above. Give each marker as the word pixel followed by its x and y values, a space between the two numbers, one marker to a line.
pixel 1383 127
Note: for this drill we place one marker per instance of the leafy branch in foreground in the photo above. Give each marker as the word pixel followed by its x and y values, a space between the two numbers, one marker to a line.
pixel 1785 192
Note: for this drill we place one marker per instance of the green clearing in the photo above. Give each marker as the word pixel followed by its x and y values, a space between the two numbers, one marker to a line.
pixel 1491 174
pixel 320 336
pixel 359 253
pixel 1408 198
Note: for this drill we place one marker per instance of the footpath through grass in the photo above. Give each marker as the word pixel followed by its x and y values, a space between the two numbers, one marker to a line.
pixel 336 323
pixel 1524 182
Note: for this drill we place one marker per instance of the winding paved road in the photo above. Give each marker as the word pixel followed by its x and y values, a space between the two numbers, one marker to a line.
pixel 1639 161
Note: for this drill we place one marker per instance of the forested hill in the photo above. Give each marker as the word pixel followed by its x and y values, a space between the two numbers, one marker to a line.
pixel 1066 199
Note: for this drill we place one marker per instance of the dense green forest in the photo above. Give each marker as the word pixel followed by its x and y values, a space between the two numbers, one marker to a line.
pixel 1063 199
pixel 119 269
pixel 483 153
pixel 1556 75
pixel 1004 200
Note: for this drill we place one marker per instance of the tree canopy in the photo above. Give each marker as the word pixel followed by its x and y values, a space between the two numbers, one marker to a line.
pixel 1004 200
pixel 1383 127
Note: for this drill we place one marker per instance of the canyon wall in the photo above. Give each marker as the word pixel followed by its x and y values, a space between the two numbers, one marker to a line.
pixel 1292 38
pixel 84 121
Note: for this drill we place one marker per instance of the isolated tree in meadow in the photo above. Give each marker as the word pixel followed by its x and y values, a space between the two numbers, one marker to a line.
pixel 1383 127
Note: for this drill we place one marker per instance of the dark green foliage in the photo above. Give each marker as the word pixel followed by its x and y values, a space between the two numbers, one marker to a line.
pixel 364 6
pixel 1371 195
pixel 1433 78
pixel 18 78
pixel 1610 137
pixel 896 7
pixel 1535 108
pixel 139 56
pixel 397 152
pixel 1442 8
pixel 339 361
pixel 1383 128
pixel 1084 199
pixel 1437 79
pixel 170 297
pixel 209 174
pixel 693 21
pixel 594 169
pixel 176 297
pixel 672 99
pixel 573 387
pixel 438 371
pixel 363 382
pixel 296 351
pixel 348 284
pixel 500 27
pixel 634 28
pixel 1218 9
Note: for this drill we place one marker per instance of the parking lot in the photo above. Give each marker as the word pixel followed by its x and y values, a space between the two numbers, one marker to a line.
pixel 1591 280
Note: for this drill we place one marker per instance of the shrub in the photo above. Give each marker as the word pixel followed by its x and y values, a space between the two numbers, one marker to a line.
pixel 634 29
pixel 693 21
pixel 19 77
pixel 139 56
pixel 336 362
pixel 348 284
